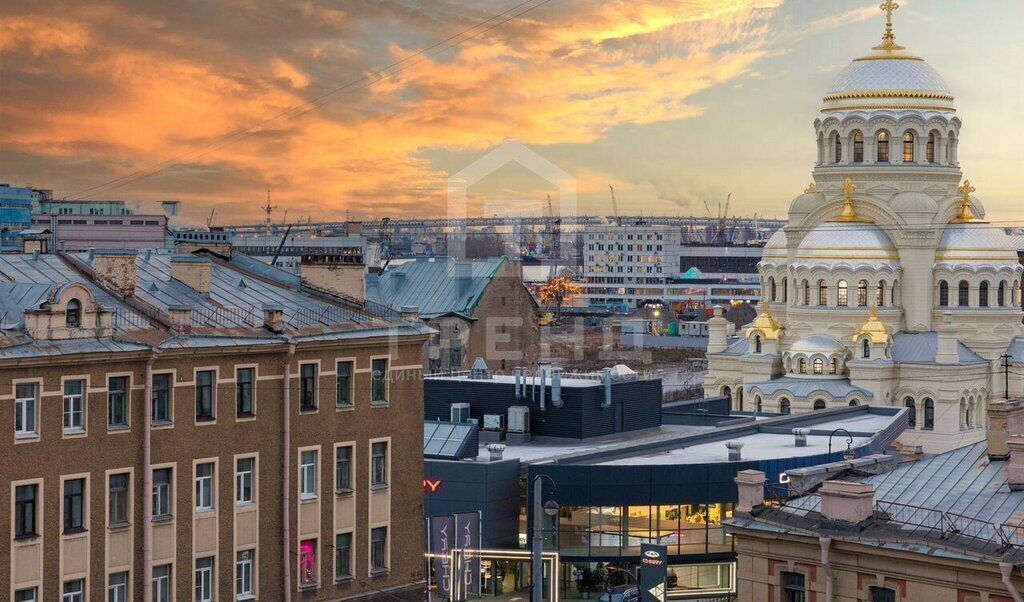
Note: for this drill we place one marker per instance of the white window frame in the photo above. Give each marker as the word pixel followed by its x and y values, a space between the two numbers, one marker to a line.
pixel 308 489
pixel 70 399
pixel 163 585
pixel 385 551
pixel 167 494
pixel 75 596
pixel 205 494
pixel 374 483
pixel 27 410
pixel 239 481
pixel 204 580
pixel 338 488
pixel 245 568
pixel 117 592
pixel 32 590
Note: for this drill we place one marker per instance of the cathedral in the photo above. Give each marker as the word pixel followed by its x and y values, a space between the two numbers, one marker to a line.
pixel 887 286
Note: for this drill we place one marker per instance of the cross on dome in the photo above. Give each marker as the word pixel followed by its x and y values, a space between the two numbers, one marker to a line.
pixel 889 38
pixel 966 213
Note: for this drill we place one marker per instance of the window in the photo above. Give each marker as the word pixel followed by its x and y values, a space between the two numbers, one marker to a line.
pixel 204 486
pixel 774 289
pixel 25 410
pixel 307 563
pixel 819 365
pixel 74 591
pixel 1002 294
pixel 244 470
pixel 343 469
pixel 161 398
pixel 73 314
pixel 912 413
pixel 839 149
pixel 25 497
pixel 908 147
pixel 858 147
pixel 965 294
pixel 866 349
pixel 117 587
pixel 880 301
pixel 862 293
pixel 930 152
pixel 74 500
pixel 882 594
pixel 929 414
pixel 74 411
pixel 819 404
pixel 162 491
pixel 26 595
pixel 243 574
pixel 803 365
pixel 345 384
pixel 793 587
pixel 117 502
pixel 883 147
pixel 379 380
pixel 117 402
pixel 983 294
pixel 243 391
pixel 943 294
pixel 307 387
pixel 204 395
pixel 379 464
pixel 343 556
pixel 378 549
pixel 307 474
pixel 162 583
pixel 843 293
pixel 204 579
pixel 807 292
pixel 833 366
pixel 822 293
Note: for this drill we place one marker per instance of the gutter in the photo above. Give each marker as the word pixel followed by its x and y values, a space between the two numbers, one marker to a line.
pixel 1006 570
pixel 286 463
pixel 147 481
pixel 826 544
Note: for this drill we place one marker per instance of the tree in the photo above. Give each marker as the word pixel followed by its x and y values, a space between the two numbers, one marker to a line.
pixel 559 291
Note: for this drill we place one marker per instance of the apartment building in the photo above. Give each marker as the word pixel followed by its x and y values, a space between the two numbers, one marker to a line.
pixel 201 427
pixel 624 265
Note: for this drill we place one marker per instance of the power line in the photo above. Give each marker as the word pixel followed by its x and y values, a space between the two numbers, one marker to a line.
pixel 297 111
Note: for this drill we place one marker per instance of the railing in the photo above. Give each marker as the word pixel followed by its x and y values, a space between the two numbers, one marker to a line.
pixel 126 319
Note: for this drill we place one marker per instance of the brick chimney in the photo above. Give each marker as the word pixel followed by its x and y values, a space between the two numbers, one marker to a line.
pixel 273 318
pixel 1005 419
pixel 718 331
pixel 115 268
pixel 342 275
pixel 410 313
pixel 750 486
pixel 947 352
pixel 1015 465
pixel 181 317
pixel 193 271
pixel 846 501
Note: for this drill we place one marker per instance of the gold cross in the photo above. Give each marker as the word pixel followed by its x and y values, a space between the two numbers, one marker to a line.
pixel 966 190
pixel 889 39
pixel 966 214
pixel 848 189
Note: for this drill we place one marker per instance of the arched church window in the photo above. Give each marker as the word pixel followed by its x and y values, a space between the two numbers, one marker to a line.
pixel 807 292
pixel 819 365
pixel 773 289
pixel 843 293
pixel 858 147
pixel 930 153
pixel 862 293
pixel 943 293
pixel 967 414
pixel 785 290
pixel 965 294
pixel 1002 294
pixel 866 349
pixel 853 403
pixel 912 414
pixel 758 405
pixel 73 314
pixel 822 293
pixel 950 143
pixel 839 149
pixel 880 300
pixel 983 294
pixel 784 406
pixel 819 404
pixel 882 144
pixel 908 147
pixel 803 365
pixel 929 414
pixel 757 344
pixel 833 367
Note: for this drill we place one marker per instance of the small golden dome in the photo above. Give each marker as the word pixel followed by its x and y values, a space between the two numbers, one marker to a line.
pixel 766 326
pixel 874 329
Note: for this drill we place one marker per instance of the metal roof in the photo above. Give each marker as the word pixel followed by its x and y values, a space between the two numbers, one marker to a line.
pixel 432 285
pixel 807 387
pixel 920 348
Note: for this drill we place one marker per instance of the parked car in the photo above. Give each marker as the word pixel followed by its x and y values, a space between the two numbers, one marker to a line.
pixel 621 593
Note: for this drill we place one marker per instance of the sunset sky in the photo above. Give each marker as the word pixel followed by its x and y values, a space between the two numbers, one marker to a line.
pixel 672 102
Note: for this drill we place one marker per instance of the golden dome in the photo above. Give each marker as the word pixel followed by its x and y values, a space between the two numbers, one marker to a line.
pixel 766 326
pixel 874 329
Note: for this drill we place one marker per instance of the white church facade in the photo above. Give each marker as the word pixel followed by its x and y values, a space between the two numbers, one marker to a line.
pixel 887 287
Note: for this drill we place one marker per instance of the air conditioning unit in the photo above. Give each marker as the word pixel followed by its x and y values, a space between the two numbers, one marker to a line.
pixel 494 422
pixel 519 419
pixel 460 412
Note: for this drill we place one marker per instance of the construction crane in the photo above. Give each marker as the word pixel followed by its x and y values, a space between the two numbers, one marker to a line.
pixel 615 206
pixel 209 220
pixel 284 239
pixel 268 209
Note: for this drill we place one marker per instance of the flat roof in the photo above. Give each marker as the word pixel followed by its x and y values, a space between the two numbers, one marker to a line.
pixel 545 449
pixel 760 446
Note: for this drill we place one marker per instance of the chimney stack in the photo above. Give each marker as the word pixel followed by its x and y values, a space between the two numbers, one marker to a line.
pixel 1005 419
pixel 115 268
pixel 718 331
pixel 181 317
pixel 410 313
pixel 273 318
pixel 193 271
pixel 801 436
pixel 341 275
pixel 947 353
pixel 750 485
pixel 846 501
pixel 735 450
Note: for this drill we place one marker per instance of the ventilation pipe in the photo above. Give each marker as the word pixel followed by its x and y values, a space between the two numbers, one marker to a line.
pixel 826 545
pixel 556 387
pixel 801 436
pixel 543 387
pixel 735 448
pixel 496 450
pixel 607 378
pixel 519 383
pixel 1006 570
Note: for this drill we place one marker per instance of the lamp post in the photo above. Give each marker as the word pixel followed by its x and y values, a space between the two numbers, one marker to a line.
pixel 849 441
pixel 540 510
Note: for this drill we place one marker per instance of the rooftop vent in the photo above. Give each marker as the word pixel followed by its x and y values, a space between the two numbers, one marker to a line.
pixel 479 370
pixel 801 436
pixel 735 448
pixel 496 450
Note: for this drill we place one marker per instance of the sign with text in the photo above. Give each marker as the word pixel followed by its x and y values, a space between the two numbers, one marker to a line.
pixel 654 572
pixel 467 529
pixel 442 542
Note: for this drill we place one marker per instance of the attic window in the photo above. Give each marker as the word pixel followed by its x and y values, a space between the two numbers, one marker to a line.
pixel 241 283
pixel 73 315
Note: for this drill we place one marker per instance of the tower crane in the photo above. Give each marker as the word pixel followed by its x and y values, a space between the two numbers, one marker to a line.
pixel 615 206
pixel 268 209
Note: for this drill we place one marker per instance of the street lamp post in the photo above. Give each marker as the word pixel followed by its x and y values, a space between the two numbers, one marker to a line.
pixel 540 509
pixel 849 441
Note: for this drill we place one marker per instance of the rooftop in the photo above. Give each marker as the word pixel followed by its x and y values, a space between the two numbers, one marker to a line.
pixel 435 285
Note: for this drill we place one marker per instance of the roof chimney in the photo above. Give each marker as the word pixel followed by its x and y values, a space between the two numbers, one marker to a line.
pixel 947 352
pixel 718 331
pixel 1005 419
pixel 341 275
pixel 273 318
pixel 115 268
pixel 750 485
pixel 735 448
pixel 410 313
pixel 801 436
pixel 181 317
pixel 193 271
pixel 846 501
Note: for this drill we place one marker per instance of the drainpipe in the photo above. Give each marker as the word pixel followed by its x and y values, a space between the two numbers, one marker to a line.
pixel 826 543
pixel 1006 569
pixel 147 481
pixel 286 442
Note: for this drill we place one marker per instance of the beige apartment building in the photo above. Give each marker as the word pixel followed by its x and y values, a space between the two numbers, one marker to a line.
pixel 204 427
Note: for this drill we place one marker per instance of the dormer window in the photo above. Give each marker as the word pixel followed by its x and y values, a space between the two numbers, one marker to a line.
pixel 73 314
